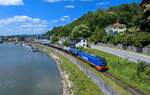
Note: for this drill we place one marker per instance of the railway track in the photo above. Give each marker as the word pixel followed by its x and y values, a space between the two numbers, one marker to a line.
pixel 130 89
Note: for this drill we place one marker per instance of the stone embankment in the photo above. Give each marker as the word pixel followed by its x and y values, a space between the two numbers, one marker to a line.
pixel 64 77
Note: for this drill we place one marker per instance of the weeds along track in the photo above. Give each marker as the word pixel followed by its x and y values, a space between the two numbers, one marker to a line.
pixel 130 89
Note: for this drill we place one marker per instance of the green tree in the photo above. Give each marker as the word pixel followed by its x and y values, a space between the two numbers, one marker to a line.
pixel 66 43
pixel 145 20
pixel 107 39
pixel 117 39
pixel 98 35
pixel 54 39
pixel 124 17
pixel 141 39
pixel 80 31
pixel 127 40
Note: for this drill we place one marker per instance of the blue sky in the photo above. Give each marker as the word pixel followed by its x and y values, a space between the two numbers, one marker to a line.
pixel 38 16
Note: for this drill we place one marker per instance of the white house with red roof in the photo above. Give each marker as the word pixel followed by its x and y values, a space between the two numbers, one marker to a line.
pixel 116 28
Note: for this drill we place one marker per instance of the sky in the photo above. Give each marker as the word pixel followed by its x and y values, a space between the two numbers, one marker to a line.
pixel 19 17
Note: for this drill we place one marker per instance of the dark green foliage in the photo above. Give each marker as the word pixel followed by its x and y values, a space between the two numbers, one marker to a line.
pixel 98 35
pixel 107 38
pixel 141 68
pixel 137 39
pixel 117 39
pixel 80 31
pixel 54 39
pixel 66 43
pixel 141 39
pixel 62 31
pixel 145 19
pixel 143 73
pixel 127 14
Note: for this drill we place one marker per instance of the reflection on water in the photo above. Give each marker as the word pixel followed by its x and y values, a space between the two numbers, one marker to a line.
pixel 23 72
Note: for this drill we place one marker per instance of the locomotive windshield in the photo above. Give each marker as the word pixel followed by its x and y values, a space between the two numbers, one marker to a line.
pixel 102 61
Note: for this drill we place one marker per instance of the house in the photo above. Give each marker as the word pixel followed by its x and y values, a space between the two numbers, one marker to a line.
pixel 29 39
pixel 73 43
pixel 116 28
pixel 42 41
pixel 13 39
pixel 82 43
pixel 62 40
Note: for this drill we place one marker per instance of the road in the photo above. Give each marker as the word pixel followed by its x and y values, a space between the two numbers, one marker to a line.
pixel 135 57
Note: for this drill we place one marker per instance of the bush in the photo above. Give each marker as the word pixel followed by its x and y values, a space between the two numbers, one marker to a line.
pixel 143 73
pixel 98 35
pixel 80 31
pixel 137 39
pixel 54 39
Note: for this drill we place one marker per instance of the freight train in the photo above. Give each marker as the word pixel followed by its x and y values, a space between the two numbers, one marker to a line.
pixel 98 62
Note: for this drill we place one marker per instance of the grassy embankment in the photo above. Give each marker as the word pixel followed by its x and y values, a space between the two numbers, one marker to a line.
pixel 81 84
pixel 136 75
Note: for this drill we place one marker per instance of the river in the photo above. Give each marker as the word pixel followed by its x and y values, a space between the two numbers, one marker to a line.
pixel 23 72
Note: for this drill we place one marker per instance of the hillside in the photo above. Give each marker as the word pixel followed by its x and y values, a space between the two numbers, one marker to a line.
pixel 91 26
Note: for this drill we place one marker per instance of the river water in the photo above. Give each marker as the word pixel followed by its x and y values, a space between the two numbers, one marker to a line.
pixel 23 72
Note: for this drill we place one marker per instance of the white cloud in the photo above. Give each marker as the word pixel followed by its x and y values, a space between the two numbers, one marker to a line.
pixel 23 24
pixel 102 3
pixel 21 19
pixel 15 19
pixel 11 2
pixel 86 0
pixel 54 1
pixel 69 6
pixel 54 21
pixel 61 19
pixel 65 18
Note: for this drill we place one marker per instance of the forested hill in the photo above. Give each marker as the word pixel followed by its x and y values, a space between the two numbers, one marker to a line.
pixel 92 24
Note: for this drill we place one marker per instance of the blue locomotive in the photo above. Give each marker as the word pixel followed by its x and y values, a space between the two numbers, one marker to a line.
pixel 98 62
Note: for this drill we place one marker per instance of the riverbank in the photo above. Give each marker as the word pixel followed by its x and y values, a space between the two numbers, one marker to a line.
pixel 66 84
pixel 66 88
pixel 76 81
